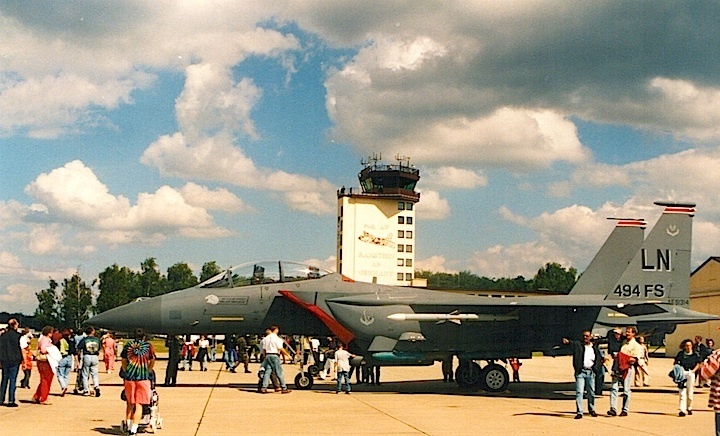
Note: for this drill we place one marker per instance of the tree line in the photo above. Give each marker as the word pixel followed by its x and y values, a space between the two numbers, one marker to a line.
pixel 553 278
pixel 70 303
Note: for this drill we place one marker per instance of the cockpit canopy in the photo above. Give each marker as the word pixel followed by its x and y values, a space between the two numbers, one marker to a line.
pixel 258 273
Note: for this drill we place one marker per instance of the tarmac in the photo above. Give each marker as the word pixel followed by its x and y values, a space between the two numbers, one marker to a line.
pixel 409 401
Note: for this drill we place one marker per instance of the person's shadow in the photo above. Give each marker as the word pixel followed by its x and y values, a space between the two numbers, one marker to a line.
pixel 115 429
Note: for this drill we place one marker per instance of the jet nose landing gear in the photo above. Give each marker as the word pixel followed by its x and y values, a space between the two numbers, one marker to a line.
pixel 491 378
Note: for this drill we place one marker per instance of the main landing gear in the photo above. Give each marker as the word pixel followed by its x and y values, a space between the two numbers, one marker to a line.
pixel 492 377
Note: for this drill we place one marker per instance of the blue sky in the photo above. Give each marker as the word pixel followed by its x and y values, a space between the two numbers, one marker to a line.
pixel 192 133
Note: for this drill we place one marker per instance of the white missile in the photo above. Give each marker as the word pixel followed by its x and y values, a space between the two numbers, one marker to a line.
pixel 456 318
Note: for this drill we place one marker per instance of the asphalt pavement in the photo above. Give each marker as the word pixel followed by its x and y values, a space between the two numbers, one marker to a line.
pixel 409 401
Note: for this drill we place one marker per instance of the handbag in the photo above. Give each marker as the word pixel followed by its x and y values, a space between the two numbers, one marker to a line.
pixel 41 357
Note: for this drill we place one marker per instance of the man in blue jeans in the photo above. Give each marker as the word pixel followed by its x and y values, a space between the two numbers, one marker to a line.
pixel 586 360
pixel 271 346
pixel 11 358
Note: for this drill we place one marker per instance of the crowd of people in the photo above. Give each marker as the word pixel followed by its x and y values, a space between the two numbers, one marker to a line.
pixel 695 365
pixel 60 352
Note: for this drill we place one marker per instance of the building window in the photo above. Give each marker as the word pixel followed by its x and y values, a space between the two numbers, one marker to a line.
pixel 408 220
pixel 400 262
pixel 399 276
pixel 401 234
pixel 401 220
pixel 408 234
pixel 401 205
pixel 408 262
pixel 408 276
pixel 409 206
pixel 408 248
pixel 401 248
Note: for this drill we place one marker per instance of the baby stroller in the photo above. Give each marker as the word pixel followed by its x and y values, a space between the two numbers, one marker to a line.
pixel 150 414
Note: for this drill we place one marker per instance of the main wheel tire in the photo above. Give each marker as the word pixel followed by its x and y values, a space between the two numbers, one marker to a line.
pixel 495 378
pixel 468 375
pixel 303 381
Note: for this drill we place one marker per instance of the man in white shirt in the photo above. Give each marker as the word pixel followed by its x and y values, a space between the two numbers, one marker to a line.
pixel 586 360
pixel 342 361
pixel 271 346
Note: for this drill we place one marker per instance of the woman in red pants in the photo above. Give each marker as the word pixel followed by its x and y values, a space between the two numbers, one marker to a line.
pixel 44 368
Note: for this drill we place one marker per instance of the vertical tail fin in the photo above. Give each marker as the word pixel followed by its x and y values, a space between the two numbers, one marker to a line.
pixel 612 259
pixel 660 270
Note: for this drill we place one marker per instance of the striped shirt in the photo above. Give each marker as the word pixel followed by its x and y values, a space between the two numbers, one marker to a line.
pixel 709 371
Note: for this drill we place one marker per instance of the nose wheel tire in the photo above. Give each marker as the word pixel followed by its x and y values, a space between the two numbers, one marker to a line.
pixel 303 381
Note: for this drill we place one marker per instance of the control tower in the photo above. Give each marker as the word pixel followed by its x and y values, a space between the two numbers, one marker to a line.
pixel 376 224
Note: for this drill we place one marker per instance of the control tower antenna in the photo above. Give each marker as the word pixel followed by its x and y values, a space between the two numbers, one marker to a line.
pixel 403 159
pixel 375 158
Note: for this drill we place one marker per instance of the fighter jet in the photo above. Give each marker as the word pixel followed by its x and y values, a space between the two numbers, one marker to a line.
pixel 391 325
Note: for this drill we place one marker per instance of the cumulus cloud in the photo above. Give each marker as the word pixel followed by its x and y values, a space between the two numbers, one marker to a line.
pixel 664 177
pixel 435 263
pixel 9 263
pixel 432 206
pixel 115 52
pixel 570 236
pixel 211 111
pixel 74 195
pixel 213 199
pixel 211 102
pixel 453 178
pixel 19 296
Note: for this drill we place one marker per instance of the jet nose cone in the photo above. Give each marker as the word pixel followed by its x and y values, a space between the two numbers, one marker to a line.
pixel 126 318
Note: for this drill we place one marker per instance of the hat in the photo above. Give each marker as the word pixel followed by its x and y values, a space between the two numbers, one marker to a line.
pixel 617 330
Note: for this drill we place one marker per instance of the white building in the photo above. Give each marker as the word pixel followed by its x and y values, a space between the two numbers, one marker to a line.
pixel 376 226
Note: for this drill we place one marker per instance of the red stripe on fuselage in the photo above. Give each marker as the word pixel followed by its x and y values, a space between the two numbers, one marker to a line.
pixel 338 330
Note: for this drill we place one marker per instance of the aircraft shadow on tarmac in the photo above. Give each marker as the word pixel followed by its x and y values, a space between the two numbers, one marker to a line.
pixel 529 390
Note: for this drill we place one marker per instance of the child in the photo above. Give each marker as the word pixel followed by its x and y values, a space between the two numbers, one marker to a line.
pixel 27 365
pixel 342 363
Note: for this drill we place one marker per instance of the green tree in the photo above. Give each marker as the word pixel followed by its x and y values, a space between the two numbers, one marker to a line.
pixel 75 302
pixel 180 276
pixel 152 282
pixel 117 287
pixel 47 311
pixel 209 269
pixel 555 279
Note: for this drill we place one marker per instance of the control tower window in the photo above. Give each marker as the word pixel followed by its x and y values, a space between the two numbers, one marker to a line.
pixel 408 262
pixel 408 234
pixel 401 248
pixel 401 205
pixel 401 234
pixel 400 276
pixel 408 249
pixel 401 262
pixel 409 206
pixel 408 276
pixel 401 220
pixel 409 220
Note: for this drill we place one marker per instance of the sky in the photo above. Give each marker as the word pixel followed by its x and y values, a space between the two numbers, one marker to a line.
pixel 220 131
